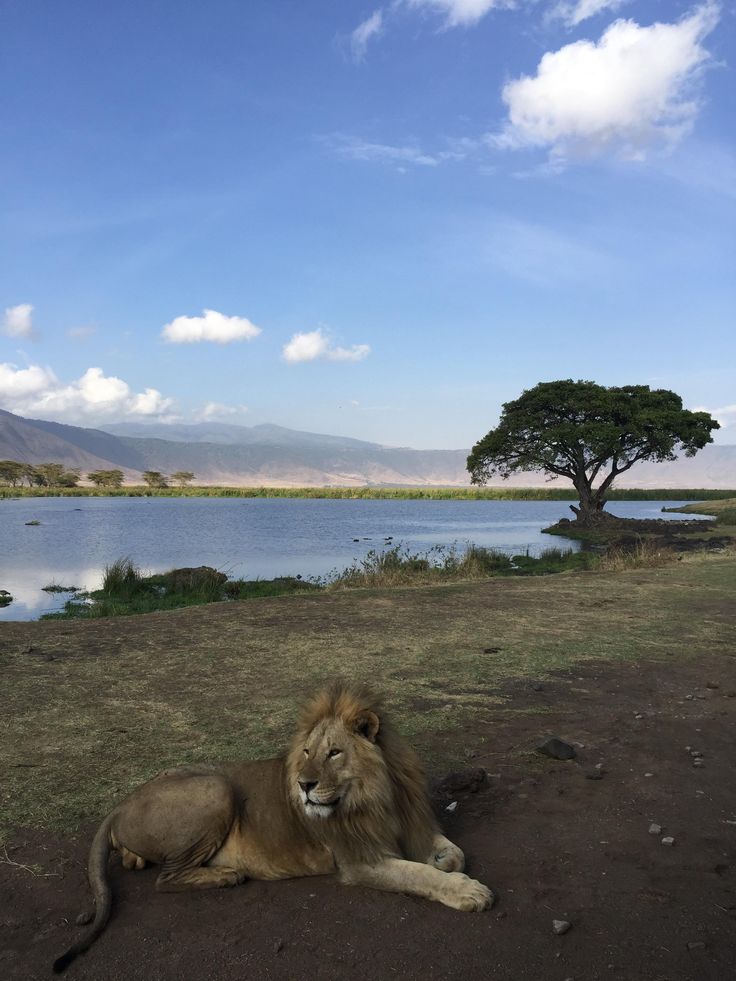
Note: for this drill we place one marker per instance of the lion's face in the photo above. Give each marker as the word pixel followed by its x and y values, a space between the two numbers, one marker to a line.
pixel 329 768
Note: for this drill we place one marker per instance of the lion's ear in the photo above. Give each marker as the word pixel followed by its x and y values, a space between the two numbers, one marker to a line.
pixel 367 724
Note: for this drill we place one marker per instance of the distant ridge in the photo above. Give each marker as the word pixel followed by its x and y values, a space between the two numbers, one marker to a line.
pixel 222 453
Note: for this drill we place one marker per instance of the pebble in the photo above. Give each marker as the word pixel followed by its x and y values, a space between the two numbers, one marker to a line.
pixel 557 749
pixel 655 829
pixel 689 698
pixel 698 762
pixel 561 926
pixel 638 716
pixel 695 752
pixel 688 748
pixel 594 773
pixel 696 945
pixel 668 840
pixel 452 807
pixel 648 774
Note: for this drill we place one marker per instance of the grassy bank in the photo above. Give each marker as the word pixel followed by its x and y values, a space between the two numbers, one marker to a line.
pixel 372 493
pixel 724 510
pixel 92 708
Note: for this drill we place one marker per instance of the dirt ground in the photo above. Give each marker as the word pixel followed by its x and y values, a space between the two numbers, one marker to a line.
pixel 550 841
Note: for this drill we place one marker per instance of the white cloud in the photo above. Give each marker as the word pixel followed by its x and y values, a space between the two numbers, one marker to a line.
pixel 211 411
pixel 81 333
pixel 575 13
pixel 315 345
pixel 18 321
pixel 726 415
pixel 353 148
pixel 211 326
pixel 460 13
pixel 628 92
pixel 370 28
pixel 95 395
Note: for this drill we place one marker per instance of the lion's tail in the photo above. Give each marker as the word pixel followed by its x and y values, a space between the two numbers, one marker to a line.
pixel 100 885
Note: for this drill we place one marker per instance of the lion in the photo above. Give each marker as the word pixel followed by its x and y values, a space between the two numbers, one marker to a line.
pixel 348 797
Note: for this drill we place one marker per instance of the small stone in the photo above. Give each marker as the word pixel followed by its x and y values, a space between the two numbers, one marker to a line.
pixel 452 807
pixel 84 918
pixel 698 762
pixel 695 752
pixel 561 926
pixel 594 773
pixel 648 774
pixel 688 748
pixel 557 749
pixel 638 716
pixel 599 766
pixel 655 829
pixel 712 684
pixel 696 945
pixel 668 840
pixel 689 698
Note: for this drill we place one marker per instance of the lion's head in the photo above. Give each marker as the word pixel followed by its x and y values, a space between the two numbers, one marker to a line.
pixel 357 783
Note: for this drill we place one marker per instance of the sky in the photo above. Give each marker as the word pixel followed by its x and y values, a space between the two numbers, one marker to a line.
pixel 379 220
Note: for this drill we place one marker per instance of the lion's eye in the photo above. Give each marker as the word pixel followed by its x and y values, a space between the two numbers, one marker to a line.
pixel 334 752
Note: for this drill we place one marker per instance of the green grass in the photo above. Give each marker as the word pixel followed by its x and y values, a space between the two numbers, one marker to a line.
pixel 371 493
pixel 120 699
pixel 127 591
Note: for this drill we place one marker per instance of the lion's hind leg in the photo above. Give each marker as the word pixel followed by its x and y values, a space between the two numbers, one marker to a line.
pixel 174 879
pixel 446 856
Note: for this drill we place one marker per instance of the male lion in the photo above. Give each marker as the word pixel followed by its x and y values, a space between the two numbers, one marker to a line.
pixel 348 797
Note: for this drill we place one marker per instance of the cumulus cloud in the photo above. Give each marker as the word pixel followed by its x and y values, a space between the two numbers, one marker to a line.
pixel 725 414
pixel 370 28
pixel 575 13
pixel 460 13
pixel 629 92
pixel 93 396
pixel 316 345
pixel 211 326
pixel 18 321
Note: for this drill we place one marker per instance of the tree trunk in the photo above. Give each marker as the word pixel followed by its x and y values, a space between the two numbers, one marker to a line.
pixel 591 506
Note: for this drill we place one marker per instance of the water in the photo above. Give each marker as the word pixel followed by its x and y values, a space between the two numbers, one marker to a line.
pixel 248 538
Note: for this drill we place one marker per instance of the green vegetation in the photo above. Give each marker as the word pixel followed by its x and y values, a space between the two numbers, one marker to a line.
pixel 55 587
pixel 126 591
pixel 114 702
pixel 373 493
pixel 589 434
pixel 716 507
pixel 46 475
pixel 109 479
pixel 154 478
pixel 397 566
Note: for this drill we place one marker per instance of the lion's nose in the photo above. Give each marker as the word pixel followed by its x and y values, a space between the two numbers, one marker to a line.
pixel 307 785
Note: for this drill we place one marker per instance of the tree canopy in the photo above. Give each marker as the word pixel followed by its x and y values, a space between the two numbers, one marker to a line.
pixel 588 433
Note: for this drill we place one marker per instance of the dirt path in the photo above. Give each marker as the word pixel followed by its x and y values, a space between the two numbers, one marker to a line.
pixel 551 842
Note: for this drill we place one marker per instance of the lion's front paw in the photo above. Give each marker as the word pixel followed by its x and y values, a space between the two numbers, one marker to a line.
pixel 447 857
pixel 467 894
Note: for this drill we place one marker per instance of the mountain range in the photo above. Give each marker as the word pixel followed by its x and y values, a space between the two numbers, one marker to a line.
pixel 222 453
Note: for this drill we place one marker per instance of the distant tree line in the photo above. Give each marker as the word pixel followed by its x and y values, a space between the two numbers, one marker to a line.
pixel 17 474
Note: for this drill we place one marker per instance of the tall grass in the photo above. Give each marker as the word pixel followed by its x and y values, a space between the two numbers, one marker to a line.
pixel 373 493
pixel 645 554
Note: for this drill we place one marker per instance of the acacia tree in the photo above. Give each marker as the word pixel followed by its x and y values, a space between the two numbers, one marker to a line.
pixel 106 478
pixel 590 434
pixel 183 477
pixel 154 478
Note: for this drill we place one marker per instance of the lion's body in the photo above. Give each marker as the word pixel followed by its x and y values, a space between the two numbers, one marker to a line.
pixel 349 797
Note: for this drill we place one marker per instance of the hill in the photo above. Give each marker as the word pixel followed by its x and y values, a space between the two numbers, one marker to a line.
pixel 221 453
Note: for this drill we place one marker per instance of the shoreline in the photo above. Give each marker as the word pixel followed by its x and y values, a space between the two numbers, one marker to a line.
pixel 435 493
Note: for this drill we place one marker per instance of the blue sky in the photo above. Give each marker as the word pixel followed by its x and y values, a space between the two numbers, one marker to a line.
pixel 398 215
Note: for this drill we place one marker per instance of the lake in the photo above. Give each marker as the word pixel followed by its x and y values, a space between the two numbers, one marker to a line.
pixel 249 538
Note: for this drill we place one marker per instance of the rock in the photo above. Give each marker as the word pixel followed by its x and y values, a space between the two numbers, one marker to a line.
pixel 557 749
pixel 696 945
pixel 84 918
pixel 655 829
pixel 648 774
pixel 695 752
pixel 698 762
pixel 712 684
pixel 668 840
pixel 638 716
pixel 561 926
pixel 452 807
pixel 594 773
pixel 689 697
